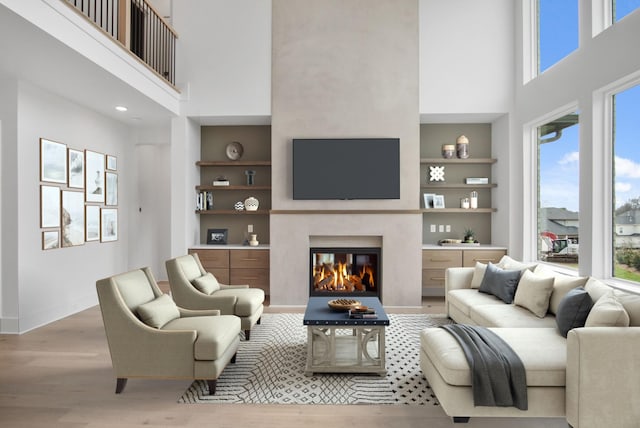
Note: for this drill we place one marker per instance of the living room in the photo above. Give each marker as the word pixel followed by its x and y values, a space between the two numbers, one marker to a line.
pixel 255 63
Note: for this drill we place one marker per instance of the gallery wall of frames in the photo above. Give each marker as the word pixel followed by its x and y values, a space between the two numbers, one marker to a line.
pixel 78 196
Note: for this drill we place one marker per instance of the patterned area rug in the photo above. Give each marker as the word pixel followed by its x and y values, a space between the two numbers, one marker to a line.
pixel 270 369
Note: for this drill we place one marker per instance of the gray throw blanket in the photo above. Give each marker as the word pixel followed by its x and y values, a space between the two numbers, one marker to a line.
pixel 498 377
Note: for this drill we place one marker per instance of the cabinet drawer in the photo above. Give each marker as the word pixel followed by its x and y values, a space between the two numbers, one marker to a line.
pixel 249 259
pixel 254 277
pixel 483 256
pixel 433 278
pixel 211 259
pixel 432 259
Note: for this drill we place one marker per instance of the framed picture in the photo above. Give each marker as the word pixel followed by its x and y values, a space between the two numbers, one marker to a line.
pixel 428 199
pixel 49 206
pixel 217 236
pixel 111 188
pixel 94 176
pixel 108 224
pixel 438 201
pixel 72 218
pixel 50 239
pixel 112 163
pixel 53 161
pixel 75 161
pixel 92 223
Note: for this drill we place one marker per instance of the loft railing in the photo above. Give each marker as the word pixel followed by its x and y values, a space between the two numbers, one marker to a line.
pixel 138 27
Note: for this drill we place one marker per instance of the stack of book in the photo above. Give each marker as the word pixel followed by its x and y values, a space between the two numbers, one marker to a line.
pixel 204 201
pixel 368 313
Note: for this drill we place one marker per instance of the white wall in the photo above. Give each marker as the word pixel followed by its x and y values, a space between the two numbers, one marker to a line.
pixel 224 57
pixel 466 56
pixel 56 283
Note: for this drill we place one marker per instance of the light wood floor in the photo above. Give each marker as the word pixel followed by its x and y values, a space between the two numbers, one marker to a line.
pixel 60 376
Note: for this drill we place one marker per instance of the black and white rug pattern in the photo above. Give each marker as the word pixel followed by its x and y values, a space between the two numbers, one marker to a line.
pixel 269 369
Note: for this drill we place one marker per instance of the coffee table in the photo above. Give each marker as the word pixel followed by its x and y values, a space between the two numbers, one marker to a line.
pixel 339 344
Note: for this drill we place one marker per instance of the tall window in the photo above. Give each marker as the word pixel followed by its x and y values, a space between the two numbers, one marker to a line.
pixel 557 31
pixel 558 191
pixel 626 185
pixel 622 8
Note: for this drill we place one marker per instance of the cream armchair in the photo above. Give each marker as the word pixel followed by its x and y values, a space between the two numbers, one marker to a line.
pixel 194 288
pixel 150 337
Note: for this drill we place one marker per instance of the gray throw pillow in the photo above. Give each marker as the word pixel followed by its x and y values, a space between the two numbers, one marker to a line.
pixel 573 310
pixel 499 282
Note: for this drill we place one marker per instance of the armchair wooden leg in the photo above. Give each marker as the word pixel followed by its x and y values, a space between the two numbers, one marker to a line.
pixel 259 321
pixel 233 359
pixel 121 382
pixel 461 419
pixel 247 333
pixel 212 386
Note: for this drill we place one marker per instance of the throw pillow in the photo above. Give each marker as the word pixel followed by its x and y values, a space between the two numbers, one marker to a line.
pixel 500 282
pixel 478 274
pixel 608 312
pixel 158 312
pixel 561 285
pixel 533 293
pixel 573 310
pixel 509 263
pixel 207 283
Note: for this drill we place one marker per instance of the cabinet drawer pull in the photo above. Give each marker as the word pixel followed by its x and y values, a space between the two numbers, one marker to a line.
pixel 250 260
pixel 437 278
pixel 440 260
pixel 483 260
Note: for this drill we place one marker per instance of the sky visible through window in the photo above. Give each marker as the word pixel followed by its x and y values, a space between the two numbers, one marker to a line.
pixel 557 31
pixel 626 142
pixel 622 8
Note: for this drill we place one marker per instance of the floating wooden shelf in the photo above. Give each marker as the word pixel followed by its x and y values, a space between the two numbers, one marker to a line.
pixel 233 163
pixel 459 161
pixel 458 210
pixel 241 187
pixel 458 186
pixel 232 212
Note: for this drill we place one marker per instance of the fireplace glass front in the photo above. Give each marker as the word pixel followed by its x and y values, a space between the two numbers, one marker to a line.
pixel 345 272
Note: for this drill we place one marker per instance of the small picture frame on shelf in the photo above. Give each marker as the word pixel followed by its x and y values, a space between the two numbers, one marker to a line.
pixel 217 236
pixel 438 201
pixel 428 200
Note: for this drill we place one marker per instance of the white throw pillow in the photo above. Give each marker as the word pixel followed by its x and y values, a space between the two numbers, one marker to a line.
pixel 207 283
pixel 158 312
pixel 533 293
pixel 608 312
pixel 562 284
pixel 478 274
pixel 508 263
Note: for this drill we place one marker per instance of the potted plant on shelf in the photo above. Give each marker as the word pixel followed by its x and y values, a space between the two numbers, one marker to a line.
pixel 469 236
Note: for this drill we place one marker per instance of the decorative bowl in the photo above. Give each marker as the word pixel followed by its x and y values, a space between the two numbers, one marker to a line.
pixel 343 304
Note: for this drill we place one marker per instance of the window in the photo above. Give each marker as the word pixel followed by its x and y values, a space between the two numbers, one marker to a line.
pixel 626 185
pixel 557 31
pixel 558 191
pixel 622 8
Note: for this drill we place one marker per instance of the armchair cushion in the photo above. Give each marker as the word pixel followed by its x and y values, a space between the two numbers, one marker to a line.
pixel 214 334
pixel 207 283
pixel 248 300
pixel 158 312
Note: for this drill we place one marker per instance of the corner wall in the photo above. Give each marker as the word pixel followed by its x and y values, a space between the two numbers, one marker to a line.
pixel 345 69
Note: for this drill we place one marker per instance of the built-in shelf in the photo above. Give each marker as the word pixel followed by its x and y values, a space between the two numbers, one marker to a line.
pixel 458 186
pixel 241 187
pixel 458 210
pixel 232 212
pixel 233 163
pixel 459 161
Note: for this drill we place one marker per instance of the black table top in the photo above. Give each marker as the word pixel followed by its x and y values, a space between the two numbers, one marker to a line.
pixel 319 313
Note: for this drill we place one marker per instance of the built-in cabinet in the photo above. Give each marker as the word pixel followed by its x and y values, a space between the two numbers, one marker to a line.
pixel 436 260
pixel 237 265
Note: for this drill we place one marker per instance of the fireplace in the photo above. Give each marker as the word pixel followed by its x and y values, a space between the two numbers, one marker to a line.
pixel 345 272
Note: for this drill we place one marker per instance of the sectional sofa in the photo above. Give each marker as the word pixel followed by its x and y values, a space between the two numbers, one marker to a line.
pixel 578 339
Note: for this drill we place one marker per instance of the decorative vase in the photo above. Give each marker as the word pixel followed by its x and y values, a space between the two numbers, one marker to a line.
pixel 239 206
pixel 254 241
pixel 250 176
pixel 448 150
pixel 474 200
pixel 462 147
pixel 251 204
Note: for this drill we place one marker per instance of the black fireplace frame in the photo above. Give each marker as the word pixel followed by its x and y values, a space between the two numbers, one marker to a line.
pixel 377 292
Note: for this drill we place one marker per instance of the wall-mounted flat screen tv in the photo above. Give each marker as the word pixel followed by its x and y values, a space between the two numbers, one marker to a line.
pixel 346 168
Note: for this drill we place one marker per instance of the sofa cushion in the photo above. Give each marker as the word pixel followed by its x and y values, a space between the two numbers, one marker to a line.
pixel 500 282
pixel 542 351
pixel 573 310
pixel 508 316
pixel 631 303
pixel 508 263
pixel 561 285
pixel 464 299
pixel 214 334
pixel 207 283
pixel 607 312
pixel 478 274
pixel 248 300
pixel 533 293
pixel 158 312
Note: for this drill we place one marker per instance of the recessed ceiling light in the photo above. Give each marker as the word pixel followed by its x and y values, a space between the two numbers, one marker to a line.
pixel 121 108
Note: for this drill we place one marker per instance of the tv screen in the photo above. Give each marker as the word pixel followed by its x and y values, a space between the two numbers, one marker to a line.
pixel 346 168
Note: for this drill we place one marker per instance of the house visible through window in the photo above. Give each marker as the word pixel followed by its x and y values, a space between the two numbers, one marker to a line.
pixel 626 185
pixel 557 31
pixel 558 191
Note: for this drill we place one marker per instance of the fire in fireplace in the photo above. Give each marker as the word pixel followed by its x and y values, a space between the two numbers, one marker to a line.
pixel 345 271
